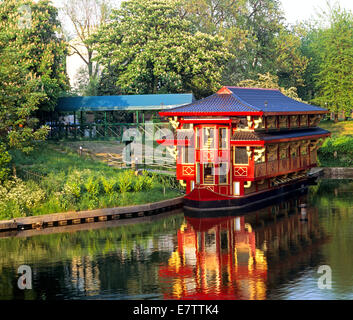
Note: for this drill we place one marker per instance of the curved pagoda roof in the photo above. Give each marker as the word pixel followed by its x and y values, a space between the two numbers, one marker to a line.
pixel 237 101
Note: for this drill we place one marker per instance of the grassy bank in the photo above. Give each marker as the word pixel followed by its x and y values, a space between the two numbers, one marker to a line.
pixel 338 129
pixel 337 151
pixel 52 181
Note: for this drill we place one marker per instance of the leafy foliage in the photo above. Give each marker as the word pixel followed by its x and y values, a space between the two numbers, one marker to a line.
pixel 337 152
pixel 5 159
pixel 153 50
pixel 71 182
pixel 18 198
pixel 329 77
pixel 32 69
pixel 255 34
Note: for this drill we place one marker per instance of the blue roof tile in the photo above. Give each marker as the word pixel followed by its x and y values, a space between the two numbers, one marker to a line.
pixel 276 101
pixel 246 100
pixel 216 103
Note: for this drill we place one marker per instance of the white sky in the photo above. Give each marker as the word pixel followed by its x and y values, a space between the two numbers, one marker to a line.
pixel 299 10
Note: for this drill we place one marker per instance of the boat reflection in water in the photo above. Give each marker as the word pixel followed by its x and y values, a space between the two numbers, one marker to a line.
pixel 240 257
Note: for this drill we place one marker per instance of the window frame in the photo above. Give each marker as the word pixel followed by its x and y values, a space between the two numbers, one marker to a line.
pixel 226 175
pixel 227 138
pixel 213 175
pixel 198 173
pixel 183 152
pixel 203 147
pixel 236 183
pixel 234 158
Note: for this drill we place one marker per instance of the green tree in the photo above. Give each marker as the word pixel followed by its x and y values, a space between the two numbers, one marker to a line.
pixel 152 49
pixel 311 42
pixel 334 49
pixel 32 74
pixel 85 16
pixel 255 34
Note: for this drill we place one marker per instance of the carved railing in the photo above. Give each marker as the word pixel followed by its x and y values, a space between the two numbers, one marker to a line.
pixel 278 167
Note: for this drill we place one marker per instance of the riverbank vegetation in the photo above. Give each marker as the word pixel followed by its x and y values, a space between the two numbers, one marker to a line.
pixel 337 151
pixel 52 181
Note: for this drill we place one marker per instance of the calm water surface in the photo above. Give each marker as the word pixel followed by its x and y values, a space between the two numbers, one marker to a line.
pixel 267 254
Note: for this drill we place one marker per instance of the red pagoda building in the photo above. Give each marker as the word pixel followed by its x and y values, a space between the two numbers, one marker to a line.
pixel 243 146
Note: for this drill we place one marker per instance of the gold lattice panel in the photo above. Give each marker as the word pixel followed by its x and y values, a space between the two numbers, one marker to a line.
pixel 241 172
pixel 188 171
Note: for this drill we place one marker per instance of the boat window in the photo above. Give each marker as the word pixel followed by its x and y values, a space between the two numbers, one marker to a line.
pixel 283 153
pixel 187 155
pixel 223 138
pixel 293 151
pixel 241 155
pixel 187 126
pixel 208 138
pixel 198 173
pixel 208 173
pixel 271 151
pixel 223 173
pixel 294 123
pixel 236 188
pixel 197 138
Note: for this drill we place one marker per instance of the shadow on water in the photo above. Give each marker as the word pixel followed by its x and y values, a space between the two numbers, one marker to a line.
pixel 269 253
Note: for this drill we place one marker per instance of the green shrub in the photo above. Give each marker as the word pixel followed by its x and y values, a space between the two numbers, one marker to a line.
pixel 148 181
pixel 109 185
pixel 125 181
pixel 337 151
pixel 93 186
pixel 5 160
pixel 18 198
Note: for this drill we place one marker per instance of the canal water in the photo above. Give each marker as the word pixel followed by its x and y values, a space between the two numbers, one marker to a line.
pixel 272 253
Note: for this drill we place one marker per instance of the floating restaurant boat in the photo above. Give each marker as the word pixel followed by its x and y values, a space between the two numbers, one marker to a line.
pixel 243 147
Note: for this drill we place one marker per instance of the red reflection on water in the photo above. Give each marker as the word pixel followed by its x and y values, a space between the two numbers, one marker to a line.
pixel 216 258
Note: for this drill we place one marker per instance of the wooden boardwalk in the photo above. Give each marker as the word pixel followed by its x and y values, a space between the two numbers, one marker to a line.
pixel 100 215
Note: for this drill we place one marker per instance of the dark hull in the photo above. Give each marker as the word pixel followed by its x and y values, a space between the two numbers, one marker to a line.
pixel 242 205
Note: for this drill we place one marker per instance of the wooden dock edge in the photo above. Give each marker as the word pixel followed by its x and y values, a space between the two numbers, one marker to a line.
pixel 338 173
pixel 99 215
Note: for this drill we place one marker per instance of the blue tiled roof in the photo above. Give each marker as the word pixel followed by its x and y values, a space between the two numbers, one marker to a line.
pixel 275 99
pixel 127 102
pixel 246 100
pixel 288 134
pixel 216 103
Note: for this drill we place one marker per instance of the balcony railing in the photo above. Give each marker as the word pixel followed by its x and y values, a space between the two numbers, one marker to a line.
pixel 279 167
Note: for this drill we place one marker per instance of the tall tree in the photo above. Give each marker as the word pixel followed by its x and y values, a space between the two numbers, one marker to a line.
pixel 256 36
pixel 334 48
pixel 32 69
pixel 153 50
pixel 85 17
